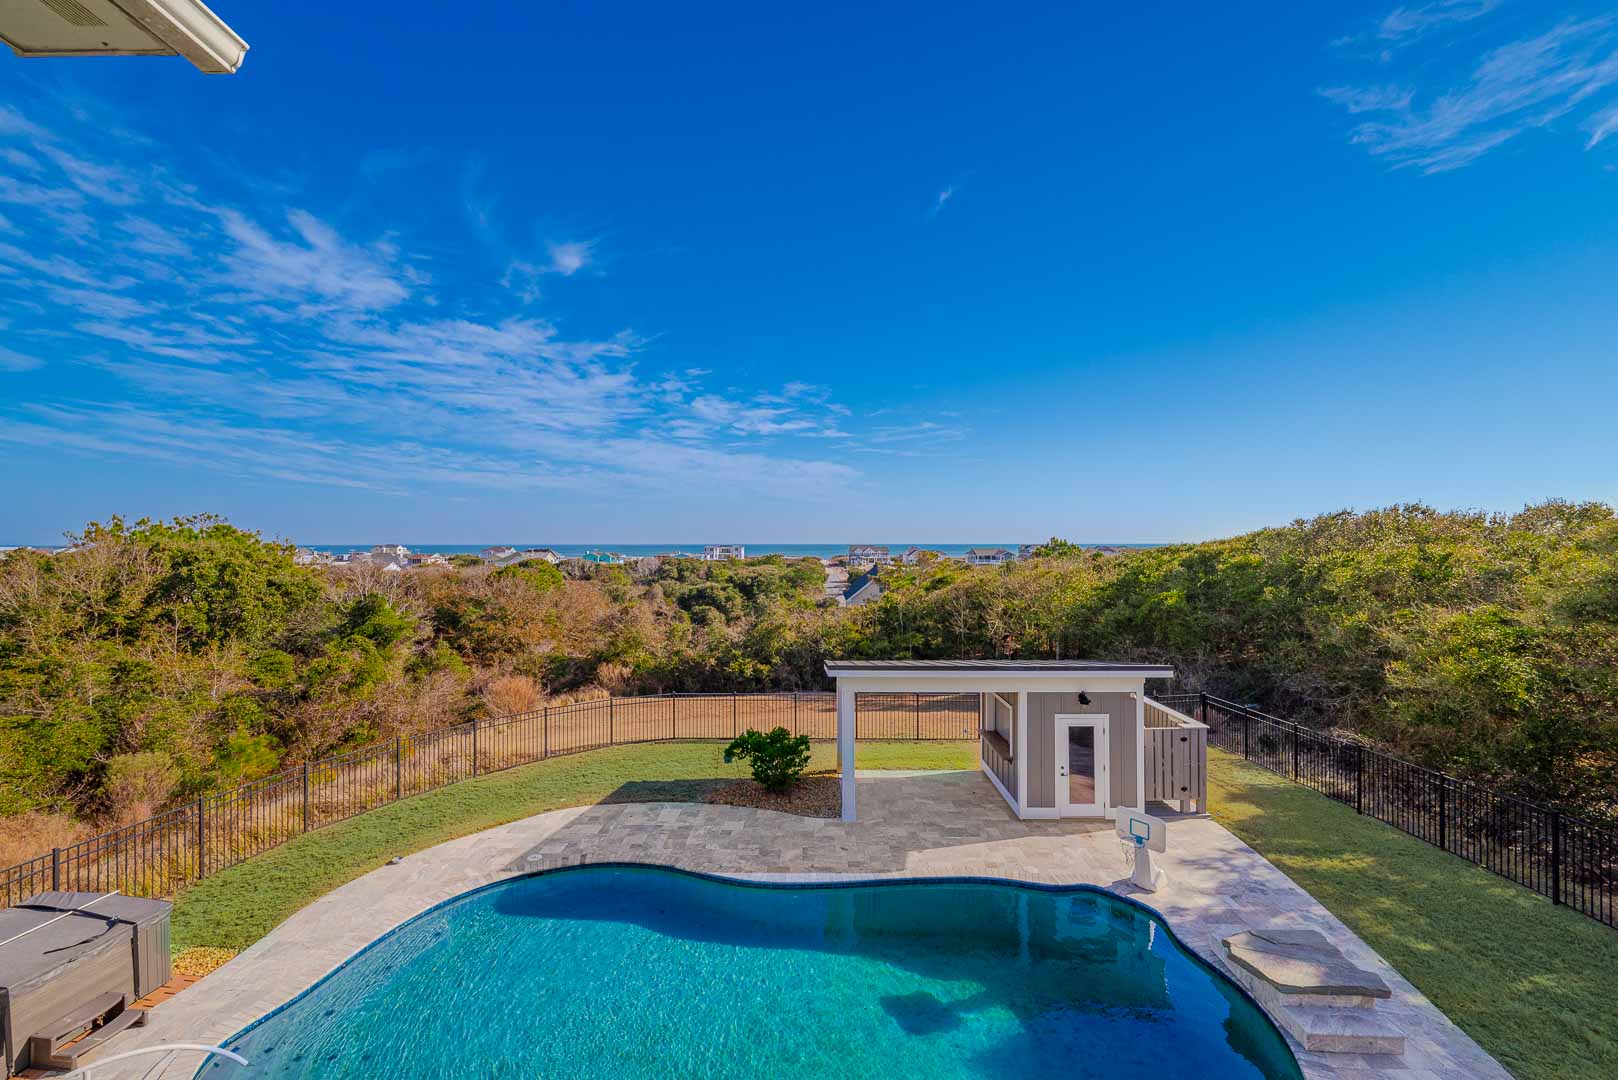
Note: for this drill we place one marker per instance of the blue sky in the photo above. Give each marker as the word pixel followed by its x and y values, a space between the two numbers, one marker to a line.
pixel 581 273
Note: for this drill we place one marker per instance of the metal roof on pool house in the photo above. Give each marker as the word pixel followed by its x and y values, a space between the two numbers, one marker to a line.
pixel 1036 668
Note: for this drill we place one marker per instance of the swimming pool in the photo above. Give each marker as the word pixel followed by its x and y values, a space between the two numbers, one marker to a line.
pixel 644 972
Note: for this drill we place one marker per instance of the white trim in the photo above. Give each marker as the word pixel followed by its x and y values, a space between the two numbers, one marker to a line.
pixel 998 786
pixel 962 683
pixel 1102 722
pixel 1185 721
pixel 1140 747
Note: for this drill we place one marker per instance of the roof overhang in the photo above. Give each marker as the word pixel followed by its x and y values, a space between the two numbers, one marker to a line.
pixel 968 676
pixel 122 28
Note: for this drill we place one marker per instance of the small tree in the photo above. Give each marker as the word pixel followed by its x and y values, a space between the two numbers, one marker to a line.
pixel 778 758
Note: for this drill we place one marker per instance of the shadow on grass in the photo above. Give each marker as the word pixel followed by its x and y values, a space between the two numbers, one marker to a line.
pixel 682 790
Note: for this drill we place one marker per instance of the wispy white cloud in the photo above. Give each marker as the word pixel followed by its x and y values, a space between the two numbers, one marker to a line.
pixel 287 344
pixel 19 159
pixel 1359 99
pixel 522 276
pixel 569 258
pixel 1404 24
pixel 928 431
pixel 150 238
pixel 12 360
pixel 1522 85
pixel 322 270
pixel 1601 125
pixel 940 201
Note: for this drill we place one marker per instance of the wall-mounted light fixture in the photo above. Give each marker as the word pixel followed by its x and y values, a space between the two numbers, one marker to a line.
pixel 1084 699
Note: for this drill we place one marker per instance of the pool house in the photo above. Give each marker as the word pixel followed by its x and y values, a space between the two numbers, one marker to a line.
pixel 1056 738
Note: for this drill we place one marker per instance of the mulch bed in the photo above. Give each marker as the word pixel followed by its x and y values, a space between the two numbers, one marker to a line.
pixel 814 796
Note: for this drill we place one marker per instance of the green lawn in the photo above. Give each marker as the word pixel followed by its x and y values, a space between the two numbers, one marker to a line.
pixel 235 907
pixel 1535 985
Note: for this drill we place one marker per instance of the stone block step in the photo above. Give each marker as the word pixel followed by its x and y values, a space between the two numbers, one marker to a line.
pixel 1340 1031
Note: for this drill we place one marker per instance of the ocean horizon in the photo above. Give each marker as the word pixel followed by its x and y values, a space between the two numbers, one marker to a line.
pixel 816 551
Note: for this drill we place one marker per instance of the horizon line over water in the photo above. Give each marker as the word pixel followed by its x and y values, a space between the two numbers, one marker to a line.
pixel 818 551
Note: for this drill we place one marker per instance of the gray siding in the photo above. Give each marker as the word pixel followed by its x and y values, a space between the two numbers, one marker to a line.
pixel 1042 712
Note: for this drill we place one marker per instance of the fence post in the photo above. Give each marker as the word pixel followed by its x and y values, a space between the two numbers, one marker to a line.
pixel 611 708
pixel 1202 706
pixel 305 796
pixel 545 734
pixel 1245 726
pixel 1294 753
pixel 674 716
pixel 398 767
pixel 474 746
pixel 1556 856
pixel 1359 779
pixel 794 712
pixel 202 837
pixel 916 701
pixel 56 869
pixel 735 728
pixel 1443 812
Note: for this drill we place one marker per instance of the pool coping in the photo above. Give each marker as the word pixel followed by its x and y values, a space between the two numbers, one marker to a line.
pixel 931 826
pixel 783 883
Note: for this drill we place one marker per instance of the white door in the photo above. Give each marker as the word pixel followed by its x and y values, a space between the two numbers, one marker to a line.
pixel 1081 765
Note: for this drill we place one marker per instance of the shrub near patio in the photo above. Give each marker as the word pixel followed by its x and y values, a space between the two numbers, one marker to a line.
pixel 777 757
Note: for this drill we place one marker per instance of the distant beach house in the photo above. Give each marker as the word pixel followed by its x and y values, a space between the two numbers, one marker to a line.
pixel 426 558
pixel 861 591
pixel 913 555
pixel 389 551
pixel 869 554
pixel 987 556
pixel 1026 551
pixel 720 552
pixel 506 556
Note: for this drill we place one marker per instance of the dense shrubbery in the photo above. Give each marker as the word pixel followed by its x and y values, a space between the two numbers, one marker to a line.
pixel 159 660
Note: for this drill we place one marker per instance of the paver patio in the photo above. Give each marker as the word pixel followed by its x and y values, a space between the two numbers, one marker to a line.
pixel 912 825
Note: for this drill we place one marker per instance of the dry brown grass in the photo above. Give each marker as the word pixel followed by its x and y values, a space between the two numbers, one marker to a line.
pixel 35 832
pixel 506 695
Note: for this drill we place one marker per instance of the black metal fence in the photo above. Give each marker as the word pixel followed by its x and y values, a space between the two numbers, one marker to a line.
pixel 180 846
pixel 1568 859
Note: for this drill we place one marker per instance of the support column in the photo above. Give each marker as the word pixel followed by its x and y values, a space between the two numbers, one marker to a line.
pixel 1139 802
pixel 845 748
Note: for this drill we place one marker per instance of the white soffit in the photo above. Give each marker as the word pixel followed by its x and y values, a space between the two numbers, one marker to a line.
pixel 122 28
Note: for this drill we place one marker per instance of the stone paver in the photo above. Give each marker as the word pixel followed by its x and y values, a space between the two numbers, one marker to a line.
pixel 913 825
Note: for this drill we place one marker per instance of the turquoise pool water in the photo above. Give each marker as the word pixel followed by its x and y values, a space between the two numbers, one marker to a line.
pixel 628 972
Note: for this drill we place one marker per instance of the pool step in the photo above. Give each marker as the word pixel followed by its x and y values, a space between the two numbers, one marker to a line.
pixel 1331 1029
pixel 1311 991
